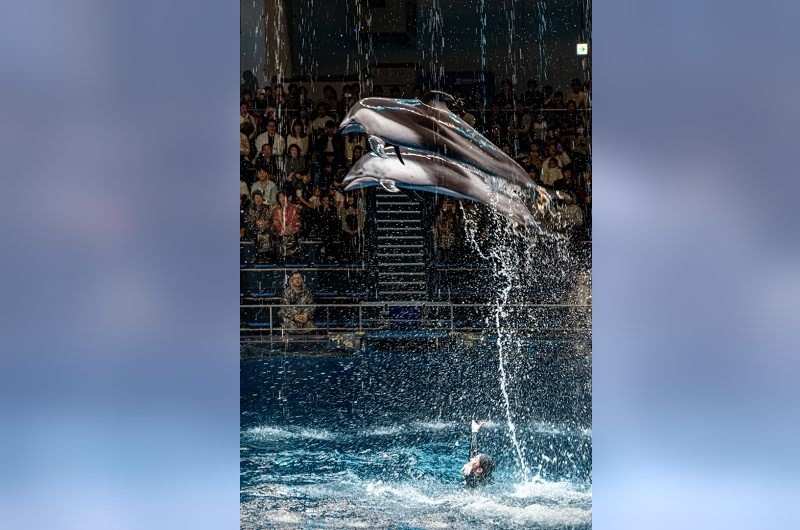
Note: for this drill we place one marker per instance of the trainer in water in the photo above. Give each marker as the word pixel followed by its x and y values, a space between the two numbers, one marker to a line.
pixel 478 470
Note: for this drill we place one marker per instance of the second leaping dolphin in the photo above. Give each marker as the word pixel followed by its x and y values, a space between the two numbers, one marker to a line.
pixel 427 171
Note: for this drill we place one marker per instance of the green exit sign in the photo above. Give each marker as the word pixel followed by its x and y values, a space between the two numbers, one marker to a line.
pixel 583 48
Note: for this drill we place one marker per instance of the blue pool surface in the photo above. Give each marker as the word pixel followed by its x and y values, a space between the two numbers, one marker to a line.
pixel 377 439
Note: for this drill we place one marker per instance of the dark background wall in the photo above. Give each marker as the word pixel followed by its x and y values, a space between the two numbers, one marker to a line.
pixel 326 42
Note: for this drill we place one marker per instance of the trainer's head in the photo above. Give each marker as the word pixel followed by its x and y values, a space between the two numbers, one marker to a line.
pixel 485 466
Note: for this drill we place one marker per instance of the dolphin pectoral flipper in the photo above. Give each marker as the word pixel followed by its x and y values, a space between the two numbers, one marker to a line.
pixel 388 185
pixel 377 145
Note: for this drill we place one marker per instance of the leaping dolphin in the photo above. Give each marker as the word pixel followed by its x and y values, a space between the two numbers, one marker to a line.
pixel 429 125
pixel 428 171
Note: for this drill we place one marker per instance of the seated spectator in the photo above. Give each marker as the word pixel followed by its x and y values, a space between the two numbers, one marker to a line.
pixel 303 191
pixel 551 173
pixel 352 229
pixel 320 119
pixel 273 139
pixel 377 91
pixel 446 223
pixel 257 222
pixel 521 129
pixel 566 182
pixel 358 151
pixel 245 117
pixel 532 97
pixel 329 95
pixel 539 128
pixel 285 227
pixel 505 98
pixel 295 165
pixel 577 95
pixel 244 189
pixel 266 186
pixel 330 142
pixel 261 102
pixel 303 101
pixel 299 138
pixel 265 158
pixel 533 164
pixel 561 155
pixel 326 177
pixel 297 310
pixel 395 92
pixel 352 141
pixel 330 228
pixel 245 147
pixel 570 217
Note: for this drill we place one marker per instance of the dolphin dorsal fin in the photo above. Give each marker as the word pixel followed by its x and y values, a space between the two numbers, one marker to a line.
pixel 437 98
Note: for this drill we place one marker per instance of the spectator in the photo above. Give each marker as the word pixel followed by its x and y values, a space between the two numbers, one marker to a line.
pixel 244 189
pixel 320 119
pixel 249 82
pixel 551 173
pixel 326 178
pixel 505 98
pixel 377 91
pixel 329 230
pixel 539 128
pixel 273 139
pixel 285 227
pixel 352 141
pixel 265 157
pixel 246 118
pixel 329 95
pixel 395 92
pixel 358 152
pixel 577 95
pixel 533 98
pixel 570 216
pixel 297 311
pixel 478 102
pixel 352 229
pixel 299 138
pixel 521 129
pixel 331 142
pixel 266 186
pixel 257 221
pixel 303 101
pixel 446 223
pixel 246 131
pixel 561 155
pixel 295 165
pixel 261 103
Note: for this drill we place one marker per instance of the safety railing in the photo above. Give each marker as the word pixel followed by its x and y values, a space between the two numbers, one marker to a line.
pixel 367 317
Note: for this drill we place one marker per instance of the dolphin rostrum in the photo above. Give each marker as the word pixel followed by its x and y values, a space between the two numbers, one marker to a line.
pixel 428 171
pixel 429 125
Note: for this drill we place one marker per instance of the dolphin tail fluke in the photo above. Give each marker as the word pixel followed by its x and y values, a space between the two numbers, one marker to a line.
pixel 388 185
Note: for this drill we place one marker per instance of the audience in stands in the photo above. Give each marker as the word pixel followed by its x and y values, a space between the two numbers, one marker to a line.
pixel 300 162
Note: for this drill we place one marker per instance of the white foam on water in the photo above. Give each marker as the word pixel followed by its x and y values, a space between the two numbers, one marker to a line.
pixel 266 432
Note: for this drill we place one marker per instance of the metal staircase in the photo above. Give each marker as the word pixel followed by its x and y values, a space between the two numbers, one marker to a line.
pixel 401 248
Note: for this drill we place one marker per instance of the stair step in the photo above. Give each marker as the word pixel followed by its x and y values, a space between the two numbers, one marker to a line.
pixel 394 245
pixel 401 292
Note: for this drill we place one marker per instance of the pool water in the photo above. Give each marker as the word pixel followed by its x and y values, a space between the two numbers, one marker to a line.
pixel 377 439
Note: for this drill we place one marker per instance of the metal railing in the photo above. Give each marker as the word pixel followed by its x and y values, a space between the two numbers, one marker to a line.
pixel 366 317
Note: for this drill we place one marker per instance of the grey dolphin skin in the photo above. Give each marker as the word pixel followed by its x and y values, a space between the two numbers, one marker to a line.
pixel 429 125
pixel 428 171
